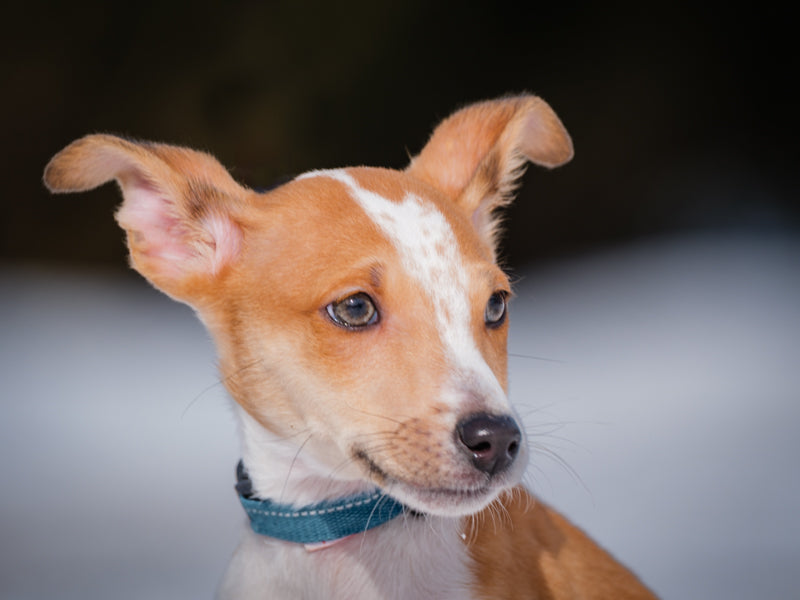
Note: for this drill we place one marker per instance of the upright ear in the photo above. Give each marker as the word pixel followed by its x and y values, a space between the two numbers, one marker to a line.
pixel 178 206
pixel 477 155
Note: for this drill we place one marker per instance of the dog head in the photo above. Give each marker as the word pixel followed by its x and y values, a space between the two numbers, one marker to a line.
pixel 358 309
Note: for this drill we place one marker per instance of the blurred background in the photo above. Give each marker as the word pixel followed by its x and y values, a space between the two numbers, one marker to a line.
pixel 656 327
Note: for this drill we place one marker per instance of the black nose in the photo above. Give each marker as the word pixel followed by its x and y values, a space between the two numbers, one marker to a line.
pixel 492 442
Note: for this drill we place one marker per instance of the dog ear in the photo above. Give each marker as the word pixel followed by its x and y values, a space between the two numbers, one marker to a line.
pixel 477 155
pixel 178 206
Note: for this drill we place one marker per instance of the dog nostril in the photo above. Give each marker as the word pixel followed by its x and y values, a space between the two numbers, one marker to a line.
pixel 513 447
pixel 481 447
pixel 491 441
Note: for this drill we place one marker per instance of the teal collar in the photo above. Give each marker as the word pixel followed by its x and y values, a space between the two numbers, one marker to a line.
pixel 315 523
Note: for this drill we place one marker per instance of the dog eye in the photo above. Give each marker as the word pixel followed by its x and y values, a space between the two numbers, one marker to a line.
pixel 354 311
pixel 495 312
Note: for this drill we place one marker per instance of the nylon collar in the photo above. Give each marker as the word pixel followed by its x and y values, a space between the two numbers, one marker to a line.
pixel 316 523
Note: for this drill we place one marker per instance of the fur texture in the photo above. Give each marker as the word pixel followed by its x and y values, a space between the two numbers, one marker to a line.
pixel 359 317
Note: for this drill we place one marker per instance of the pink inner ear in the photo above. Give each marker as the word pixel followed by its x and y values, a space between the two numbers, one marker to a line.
pixel 227 238
pixel 173 245
pixel 150 216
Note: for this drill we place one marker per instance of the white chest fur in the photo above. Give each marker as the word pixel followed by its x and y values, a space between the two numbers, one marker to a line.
pixel 409 558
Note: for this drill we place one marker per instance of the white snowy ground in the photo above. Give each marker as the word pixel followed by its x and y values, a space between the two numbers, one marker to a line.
pixel 671 391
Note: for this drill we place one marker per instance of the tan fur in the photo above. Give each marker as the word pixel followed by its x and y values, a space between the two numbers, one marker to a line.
pixel 260 270
pixel 193 186
pixel 477 155
pixel 524 550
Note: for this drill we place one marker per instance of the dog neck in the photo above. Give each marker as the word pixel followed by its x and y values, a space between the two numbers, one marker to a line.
pixel 285 471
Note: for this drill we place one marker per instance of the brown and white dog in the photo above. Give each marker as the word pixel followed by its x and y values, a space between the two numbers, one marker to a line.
pixel 360 320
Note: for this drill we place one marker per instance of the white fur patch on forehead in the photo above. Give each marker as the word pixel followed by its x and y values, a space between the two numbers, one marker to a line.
pixel 430 254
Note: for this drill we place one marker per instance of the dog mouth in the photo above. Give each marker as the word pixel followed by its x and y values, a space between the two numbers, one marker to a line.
pixel 458 500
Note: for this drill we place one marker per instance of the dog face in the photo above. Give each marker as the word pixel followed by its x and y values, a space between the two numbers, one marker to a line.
pixel 360 310
pixel 400 314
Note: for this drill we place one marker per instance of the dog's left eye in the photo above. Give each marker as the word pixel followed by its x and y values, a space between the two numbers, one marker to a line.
pixel 354 311
pixel 495 312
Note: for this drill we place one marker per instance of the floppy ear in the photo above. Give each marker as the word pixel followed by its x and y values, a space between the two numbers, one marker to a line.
pixel 178 206
pixel 477 155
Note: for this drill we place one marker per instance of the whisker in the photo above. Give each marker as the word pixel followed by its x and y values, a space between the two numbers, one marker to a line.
pixel 561 462
pixel 286 438
pixel 383 499
pixel 541 358
pixel 219 382
pixel 291 466
pixel 386 434
pixel 376 415
pixel 471 525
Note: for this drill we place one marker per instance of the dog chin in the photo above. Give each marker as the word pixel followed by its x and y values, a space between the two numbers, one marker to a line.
pixel 445 502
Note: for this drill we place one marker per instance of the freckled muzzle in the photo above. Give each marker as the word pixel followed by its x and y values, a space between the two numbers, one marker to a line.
pixel 448 476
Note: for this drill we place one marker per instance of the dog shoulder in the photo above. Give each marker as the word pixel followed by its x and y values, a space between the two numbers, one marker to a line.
pixel 520 547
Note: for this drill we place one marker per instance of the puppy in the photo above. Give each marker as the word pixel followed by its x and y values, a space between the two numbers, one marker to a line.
pixel 361 323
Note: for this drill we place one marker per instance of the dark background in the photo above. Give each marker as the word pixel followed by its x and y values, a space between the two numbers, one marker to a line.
pixel 664 415
pixel 682 116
